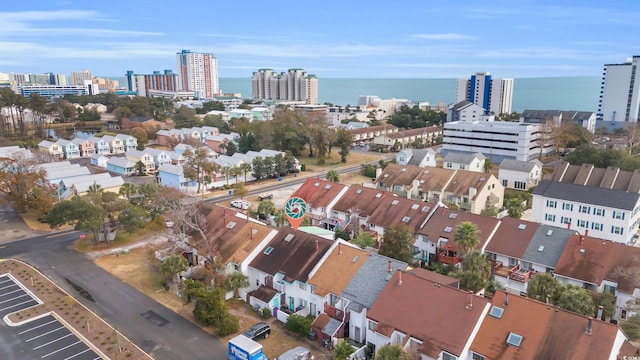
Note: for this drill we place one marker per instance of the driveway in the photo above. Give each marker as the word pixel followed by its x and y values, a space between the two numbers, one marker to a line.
pixel 12 227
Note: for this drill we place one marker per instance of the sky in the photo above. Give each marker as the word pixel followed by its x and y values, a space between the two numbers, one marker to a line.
pixel 331 39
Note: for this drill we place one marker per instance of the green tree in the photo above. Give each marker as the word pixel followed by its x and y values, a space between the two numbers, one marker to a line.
pixel 236 281
pixel 343 141
pixel 333 176
pixel 79 212
pixel 133 218
pixel 466 237
pixel 266 207
pixel 141 135
pixel 343 350
pixel 515 207
pixel 493 286
pixel 173 265
pixel 544 287
pixel 608 302
pixel 631 327
pixel 185 118
pixel 300 325
pixel 280 217
pixel 477 262
pixel 576 299
pixel 397 242
pixel 364 239
pixel 23 184
pixel 470 280
pixel 245 168
pixel 140 168
pixel 199 166
pixel 488 165
pixel 127 189
pixel 341 234
pixel 490 211
pixel 389 352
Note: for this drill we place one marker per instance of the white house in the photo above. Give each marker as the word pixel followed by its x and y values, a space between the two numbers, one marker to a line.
pixel 100 145
pixel 129 142
pixel 418 157
pixel 99 160
pixel 464 161
pixel 520 175
pixel 143 156
pixel 465 111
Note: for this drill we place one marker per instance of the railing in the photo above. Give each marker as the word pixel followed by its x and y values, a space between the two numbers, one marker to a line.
pixel 278 286
pixel 514 273
pixel 335 313
pixel 449 260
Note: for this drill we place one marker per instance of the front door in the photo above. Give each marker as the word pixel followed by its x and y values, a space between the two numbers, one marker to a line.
pixel 312 308
pixel 356 333
pixel 292 303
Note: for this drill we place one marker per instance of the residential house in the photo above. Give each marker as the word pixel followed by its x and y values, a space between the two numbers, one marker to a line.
pixel 435 239
pixel 368 134
pixel 505 251
pixel 182 147
pixel 427 319
pixel 115 144
pixel 14 152
pixel 408 138
pixel 545 248
pixel 417 157
pixel 218 143
pixel 462 161
pixel 394 211
pixel 320 196
pixel 51 148
pixel 86 147
pixel 100 145
pixel 467 190
pixel 173 176
pixel 99 160
pixel 129 142
pixel 285 265
pixel 82 185
pixel 353 208
pixel 520 175
pixel 160 157
pixel 363 290
pixel 69 149
pixel 520 328
pixel 168 138
pixel 556 118
pixel 142 156
pixel 326 286
pixel 602 266
pixel 121 166
pixel 465 111
pixel 604 201
pixel 54 175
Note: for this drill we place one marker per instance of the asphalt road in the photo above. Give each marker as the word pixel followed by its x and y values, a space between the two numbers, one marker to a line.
pixel 116 302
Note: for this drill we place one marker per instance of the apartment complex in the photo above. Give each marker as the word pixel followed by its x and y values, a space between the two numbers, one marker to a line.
pixel 78 77
pixel 143 83
pixel 293 85
pixel 494 95
pixel 620 92
pixel 198 72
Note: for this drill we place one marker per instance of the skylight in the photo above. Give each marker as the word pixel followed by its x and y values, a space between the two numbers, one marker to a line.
pixel 406 219
pixel 483 178
pixel 394 202
pixel 448 229
pixel 415 206
pixel 388 277
pixel 541 248
pixel 426 172
pixel 379 195
pixel 514 339
pixel 289 237
pixel 522 226
pixel 268 250
pixel 549 232
pixel 496 312
pixel 425 208
pixel 359 191
pixel 328 186
pixel 355 259
pixel 386 175
pixel 316 184
pixel 453 216
pixel 231 224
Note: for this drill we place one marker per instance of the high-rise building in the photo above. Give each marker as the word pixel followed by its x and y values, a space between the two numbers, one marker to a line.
pixel 620 92
pixel 293 85
pixel 78 77
pixel 495 96
pixel 142 83
pixel 198 72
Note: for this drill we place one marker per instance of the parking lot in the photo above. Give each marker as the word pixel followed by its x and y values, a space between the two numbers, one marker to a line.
pixel 41 338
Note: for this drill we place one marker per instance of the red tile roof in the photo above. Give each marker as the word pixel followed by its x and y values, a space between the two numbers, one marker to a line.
pixel 361 200
pixel 318 193
pixel 512 237
pixel 443 222
pixel 394 174
pixel 436 315
pixel 595 260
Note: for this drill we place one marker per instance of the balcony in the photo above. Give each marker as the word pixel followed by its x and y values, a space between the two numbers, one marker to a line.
pixel 448 254
pixel 335 313
pixel 515 273
pixel 278 286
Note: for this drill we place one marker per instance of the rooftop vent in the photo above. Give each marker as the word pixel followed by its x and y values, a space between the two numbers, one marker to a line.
pixel 386 175
pixel 514 339
pixel 268 250
pixel 448 229
pixel 403 169
pixel 582 251
pixel 289 237
pixel 522 226
pixel 426 172
pixel 483 178
pixel 496 312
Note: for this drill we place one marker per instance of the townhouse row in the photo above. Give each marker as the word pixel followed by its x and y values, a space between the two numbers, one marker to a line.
pixel 79 147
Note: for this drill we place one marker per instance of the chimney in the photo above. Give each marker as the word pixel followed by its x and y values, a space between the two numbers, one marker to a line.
pixel 506 298
pixel 600 310
pixel 339 248
pixel 586 232
pixel 581 239
pixel 588 331
pixel 470 303
pixel 390 269
pixel 399 278
pixel 569 225
pixel 317 246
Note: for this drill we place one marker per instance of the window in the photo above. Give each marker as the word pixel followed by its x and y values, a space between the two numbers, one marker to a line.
pixel 610 289
pixel 513 261
pixel 549 217
pixel 505 183
pixel 475 356
pixel 496 312
pixel 567 206
pixel 618 215
pixel 565 220
pixel 623 314
pixel 551 203
pixel 584 209
pixel 583 223
pixel 449 165
pixel 462 167
pixel 596 226
pixel 447 356
pixel 520 185
pixel 302 286
pixel 372 325
pixel 616 230
pixel 598 211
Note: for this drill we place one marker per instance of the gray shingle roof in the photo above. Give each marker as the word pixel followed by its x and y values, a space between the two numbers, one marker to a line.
pixel 461 105
pixel 462 158
pixel 617 199
pixel 519 165
pixel 368 282
pixel 417 156
pixel 552 241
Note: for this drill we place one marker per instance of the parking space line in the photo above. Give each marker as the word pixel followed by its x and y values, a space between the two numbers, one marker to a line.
pixel 35 327
pixel 64 348
pixel 52 341
pixel 12 285
pixel 47 333
pixel 11 292
pixel 80 353
pixel 14 298
pixel 12 306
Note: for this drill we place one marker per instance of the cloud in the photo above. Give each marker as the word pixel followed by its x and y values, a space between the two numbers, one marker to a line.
pixel 444 36
pixel 58 15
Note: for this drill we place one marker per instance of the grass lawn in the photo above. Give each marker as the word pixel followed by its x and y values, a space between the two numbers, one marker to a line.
pixel 122 238
pixel 31 219
pixel 333 161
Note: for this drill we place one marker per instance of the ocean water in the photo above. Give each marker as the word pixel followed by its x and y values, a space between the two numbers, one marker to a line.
pixel 549 93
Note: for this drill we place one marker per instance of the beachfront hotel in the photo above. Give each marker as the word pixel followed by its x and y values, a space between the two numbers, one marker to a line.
pixel 494 95
pixel 198 72
pixel 620 92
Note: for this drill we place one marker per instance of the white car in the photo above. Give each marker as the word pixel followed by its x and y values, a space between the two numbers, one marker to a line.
pixel 298 353
pixel 241 204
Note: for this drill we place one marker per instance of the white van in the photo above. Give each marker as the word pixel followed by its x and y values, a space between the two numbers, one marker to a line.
pixel 241 204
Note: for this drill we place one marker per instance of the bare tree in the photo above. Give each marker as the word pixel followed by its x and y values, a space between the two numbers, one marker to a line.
pixel 188 218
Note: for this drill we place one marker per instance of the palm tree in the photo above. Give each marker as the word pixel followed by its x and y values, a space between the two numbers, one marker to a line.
pixel 245 168
pixel 127 189
pixel 236 281
pixel 515 207
pixel 235 172
pixel 466 237
pixel 280 217
pixel 488 165
pixel 476 262
pixel 333 176
pixel 94 188
pixel 544 287
pixel 227 170
pixel 576 299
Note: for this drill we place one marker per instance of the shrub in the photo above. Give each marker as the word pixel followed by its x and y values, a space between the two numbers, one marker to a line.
pixel 266 313
pixel 227 325
pixel 299 324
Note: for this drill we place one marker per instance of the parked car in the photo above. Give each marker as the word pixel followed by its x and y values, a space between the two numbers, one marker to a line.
pixel 265 196
pixel 297 353
pixel 241 204
pixel 258 331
